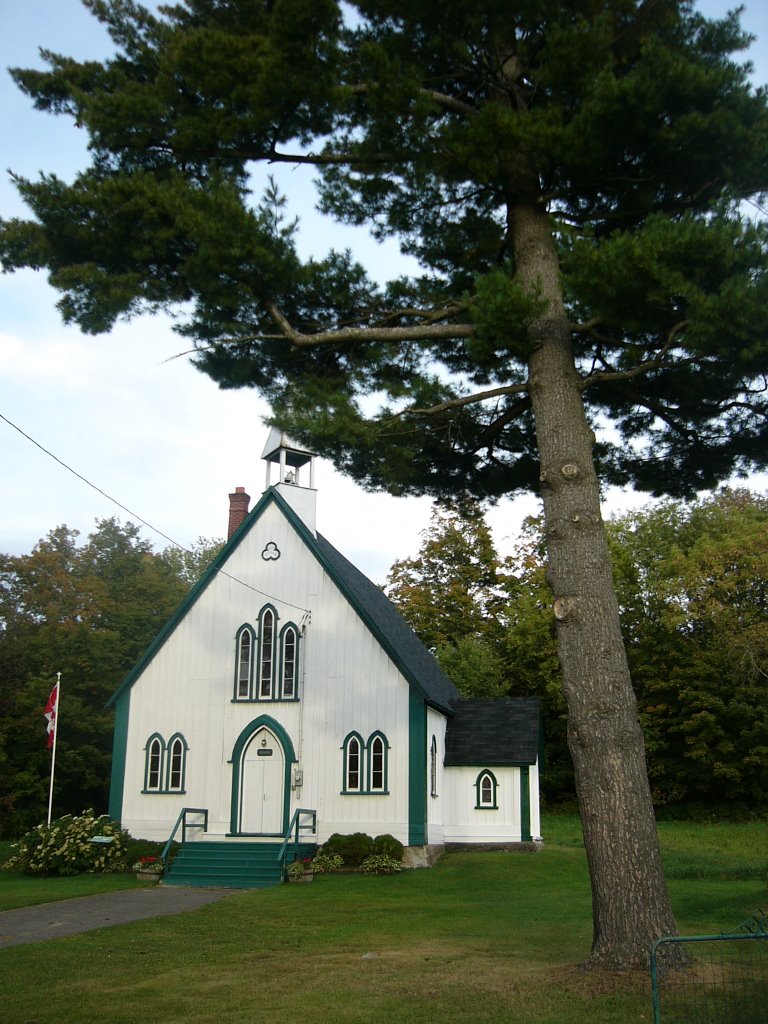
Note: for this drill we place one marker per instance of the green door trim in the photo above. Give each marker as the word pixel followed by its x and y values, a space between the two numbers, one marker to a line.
pixel 263 721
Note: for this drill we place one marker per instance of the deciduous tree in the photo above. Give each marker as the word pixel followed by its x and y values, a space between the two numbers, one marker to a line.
pixel 453 588
pixel 693 584
pixel 87 611
pixel 452 594
pixel 569 174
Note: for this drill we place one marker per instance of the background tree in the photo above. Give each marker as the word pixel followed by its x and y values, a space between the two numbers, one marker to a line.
pixel 693 584
pixel 451 595
pixel 692 581
pixel 475 666
pixel 488 620
pixel 451 589
pixel 569 174
pixel 88 612
pixel 529 650
pixel 189 564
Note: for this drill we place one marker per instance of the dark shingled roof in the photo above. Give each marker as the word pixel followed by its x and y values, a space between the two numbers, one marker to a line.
pixel 493 732
pixel 390 628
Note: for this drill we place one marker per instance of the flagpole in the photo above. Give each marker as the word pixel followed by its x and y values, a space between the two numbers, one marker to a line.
pixel 55 737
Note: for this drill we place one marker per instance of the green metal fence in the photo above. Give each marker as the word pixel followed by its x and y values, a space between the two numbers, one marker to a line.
pixel 712 979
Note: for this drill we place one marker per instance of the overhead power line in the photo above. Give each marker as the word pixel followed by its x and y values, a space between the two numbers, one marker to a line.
pixel 138 518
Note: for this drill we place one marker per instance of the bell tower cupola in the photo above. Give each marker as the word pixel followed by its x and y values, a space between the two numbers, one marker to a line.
pixel 295 474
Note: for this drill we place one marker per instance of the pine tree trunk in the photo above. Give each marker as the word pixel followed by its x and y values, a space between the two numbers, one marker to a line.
pixel 630 901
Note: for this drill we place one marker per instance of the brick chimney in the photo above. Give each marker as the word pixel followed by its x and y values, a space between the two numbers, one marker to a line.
pixel 238 509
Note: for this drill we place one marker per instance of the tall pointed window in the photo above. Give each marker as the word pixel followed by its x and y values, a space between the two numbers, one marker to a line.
pixel 266 654
pixel 177 756
pixel 377 762
pixel 267 659
pixel 289 664
pixel 353 764
pixel 433 767
pixel 153 768
pixel 244 667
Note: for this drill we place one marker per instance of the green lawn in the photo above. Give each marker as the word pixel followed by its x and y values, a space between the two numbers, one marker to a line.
pixel 481 939
pixel 18 890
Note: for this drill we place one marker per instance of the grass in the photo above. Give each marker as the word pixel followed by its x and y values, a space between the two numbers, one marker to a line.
pixel 26 891
pixel 18 890
pixel 480 938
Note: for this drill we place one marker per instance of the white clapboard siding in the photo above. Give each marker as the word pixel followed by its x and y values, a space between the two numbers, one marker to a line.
pixel 466 824
pixel 347 683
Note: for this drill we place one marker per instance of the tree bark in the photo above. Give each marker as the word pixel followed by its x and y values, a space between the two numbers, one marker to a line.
pixel 630 901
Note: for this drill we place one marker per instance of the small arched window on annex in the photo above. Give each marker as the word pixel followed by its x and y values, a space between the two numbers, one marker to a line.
pixel 377 751
pixel 245 647
pixel 154 752
pixel 289 662
pixel 353 763
pixel 176 764
pixel 266 664
pixel 485 791
pixel 433 767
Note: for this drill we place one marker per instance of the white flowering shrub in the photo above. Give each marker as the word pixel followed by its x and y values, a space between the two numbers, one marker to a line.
pixel 65 847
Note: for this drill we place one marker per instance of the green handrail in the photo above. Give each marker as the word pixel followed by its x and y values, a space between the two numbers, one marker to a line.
pixel 296 825
pixel 182 820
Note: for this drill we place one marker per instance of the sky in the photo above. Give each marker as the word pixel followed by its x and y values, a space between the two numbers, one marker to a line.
pixel 145 428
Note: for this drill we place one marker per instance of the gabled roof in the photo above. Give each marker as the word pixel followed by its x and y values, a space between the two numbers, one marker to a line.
pixel 390 628
pixel 375 609
pixel 493 732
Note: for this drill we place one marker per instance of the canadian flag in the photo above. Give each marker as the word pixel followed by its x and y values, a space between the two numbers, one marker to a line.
pixel 50 713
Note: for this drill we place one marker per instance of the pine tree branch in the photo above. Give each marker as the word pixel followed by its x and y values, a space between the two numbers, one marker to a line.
pixel 433 330
pixel 430 316
pixel 588 327
pixel 457 403
pixel 422 332
pixel 612 376
pixel 662 412
pixel 451 103
pixel 441 99
pixel 329 159
pixel 495 428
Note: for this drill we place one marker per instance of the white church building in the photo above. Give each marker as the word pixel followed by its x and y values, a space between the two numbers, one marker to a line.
pixel 287 682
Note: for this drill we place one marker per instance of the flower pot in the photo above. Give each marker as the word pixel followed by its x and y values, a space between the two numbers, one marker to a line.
pixel 148 876
pixel 306 877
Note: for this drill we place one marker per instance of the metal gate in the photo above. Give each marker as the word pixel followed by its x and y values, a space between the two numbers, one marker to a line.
pixel 712 979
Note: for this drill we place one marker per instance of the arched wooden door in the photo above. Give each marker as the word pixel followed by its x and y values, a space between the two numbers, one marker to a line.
pixel 262 784
pixel 262 761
